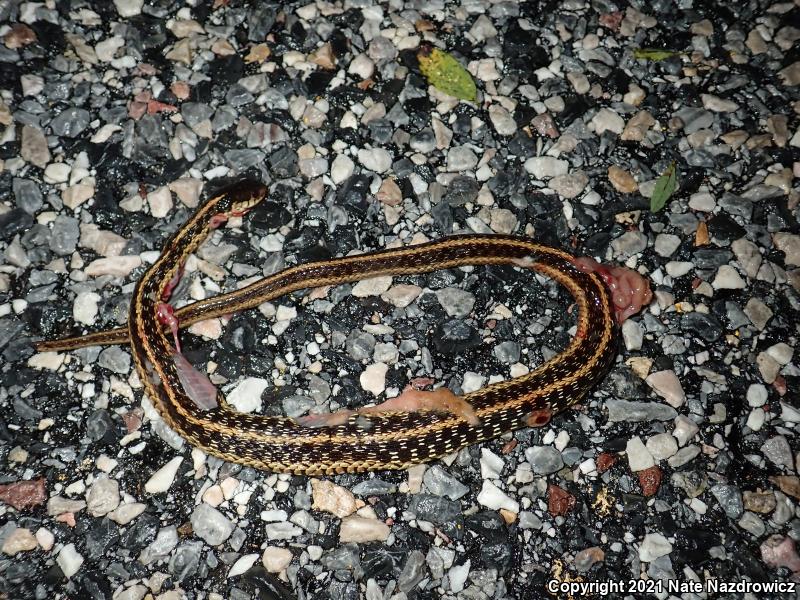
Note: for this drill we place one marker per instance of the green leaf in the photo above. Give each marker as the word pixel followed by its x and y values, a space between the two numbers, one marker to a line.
pixel 445 73
pixel 654 54
pixel 666 185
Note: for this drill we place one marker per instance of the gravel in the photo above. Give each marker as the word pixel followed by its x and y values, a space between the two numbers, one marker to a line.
pixel 116 120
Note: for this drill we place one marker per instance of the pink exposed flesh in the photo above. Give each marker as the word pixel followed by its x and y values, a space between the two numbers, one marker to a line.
pixel 176 279
pixel 166 314
pixel 439 400
pixel 326 419
pixel 218 220
pixel 538 418
pixel 411 400
pixel 629 290
pixel 196 385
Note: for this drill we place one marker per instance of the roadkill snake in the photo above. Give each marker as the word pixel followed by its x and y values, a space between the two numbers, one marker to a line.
pixel 415 427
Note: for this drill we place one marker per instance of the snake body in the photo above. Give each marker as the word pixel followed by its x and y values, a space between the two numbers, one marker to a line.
pixel 375 441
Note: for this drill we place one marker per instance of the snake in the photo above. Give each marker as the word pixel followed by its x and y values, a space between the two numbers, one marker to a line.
pixel 416 427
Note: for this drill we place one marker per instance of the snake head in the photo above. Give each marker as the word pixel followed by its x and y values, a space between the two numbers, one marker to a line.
pixel 239 198
pixel 245 196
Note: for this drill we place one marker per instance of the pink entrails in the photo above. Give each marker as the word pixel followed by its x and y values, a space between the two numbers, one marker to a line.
pixel 218 220
pixel 196 384
pixel 166 314
pixel 629 290
pixel 166 294
pixel 440 400
pixel 538 418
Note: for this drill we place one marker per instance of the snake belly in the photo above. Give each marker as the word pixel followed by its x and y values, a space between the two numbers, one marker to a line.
pixel 365 442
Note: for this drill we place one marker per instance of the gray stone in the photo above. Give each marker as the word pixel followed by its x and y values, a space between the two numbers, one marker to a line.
pixel 70 122
pixel 778 451
pixel 507 352
pixel 629 243
pixel 461 158
pixel 186 560
pixel 64 235
pixel 456 302
pixel 413 571
pixel 27 195
pixel 632 412
pixel 441 483
pixel 165 542
pixel 544 459
pixel 115 359
pixel 210 525
pixel 360 345
pixel 694 119
pixel 730 499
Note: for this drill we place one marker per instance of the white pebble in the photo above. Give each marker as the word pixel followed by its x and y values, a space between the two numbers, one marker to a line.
pixel 374 286
pixel 242 565
pixel 20 540
pixel 685 430
pixel 502 120
pixel 373 379
pixel 107 48
pixel 362 66
pixel 639 457
pixel 375 159
pixel 102 497
pixel 678 268
pixel 544 167
pixel 56 173
pixel 756 419
pixel 493 497
pixel 491 464
pixel 285 313
pixel 312 167
pixel 472 382
pixel 402 294
pixel 781 352
pixel 51 361
pixel 607 120
pixel 632 335
pixel 128 8
pixel 458 576
pixel 717 104
pixel 246 396
pixel 662 446
pixel 332 498
pixel 161 480
pixel 757 394
pixel 727 278
pixel 118 266
pixel 274 516
pixel 69 560
pixel 45 538
pixel 84 308
pixel 342 168
pixel 666 384
pixel 160 201
pixel 126 513
pixel 789 413
pixel 653 546
pixel 361 529
pixel 275 559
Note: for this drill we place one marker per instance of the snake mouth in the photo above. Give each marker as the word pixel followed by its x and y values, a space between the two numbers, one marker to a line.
pixel 240 209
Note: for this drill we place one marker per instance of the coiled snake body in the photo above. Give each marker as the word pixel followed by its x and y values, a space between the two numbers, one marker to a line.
pixel 387 438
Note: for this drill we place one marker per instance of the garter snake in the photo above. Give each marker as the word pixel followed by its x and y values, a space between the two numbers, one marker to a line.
pixel 384 440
